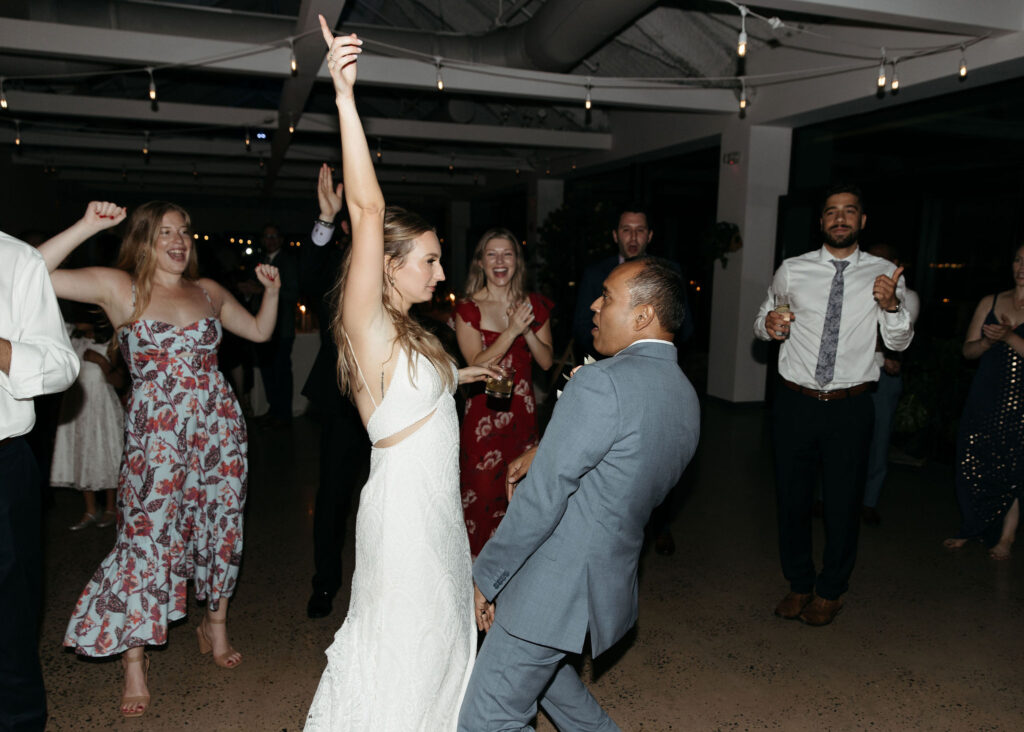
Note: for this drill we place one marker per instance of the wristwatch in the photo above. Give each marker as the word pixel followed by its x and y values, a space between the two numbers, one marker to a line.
pixel 899 306
pixel 329 224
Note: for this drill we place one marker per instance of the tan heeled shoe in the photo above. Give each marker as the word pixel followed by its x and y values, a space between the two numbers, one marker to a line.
pixel 132 701
pixel 206 645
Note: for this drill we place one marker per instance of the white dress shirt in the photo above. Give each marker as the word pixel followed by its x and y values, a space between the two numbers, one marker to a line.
pixel 807 279
pixel 913 305
pixel 42 360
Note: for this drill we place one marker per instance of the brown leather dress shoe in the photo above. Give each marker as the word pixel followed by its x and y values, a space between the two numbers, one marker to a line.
pixel 820 611
pixel 792 605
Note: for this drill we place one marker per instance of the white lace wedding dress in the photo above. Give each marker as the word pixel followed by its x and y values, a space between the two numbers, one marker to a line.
pixel 401 660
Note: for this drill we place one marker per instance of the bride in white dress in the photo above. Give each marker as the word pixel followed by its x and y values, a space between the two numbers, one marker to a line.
pixel 403 656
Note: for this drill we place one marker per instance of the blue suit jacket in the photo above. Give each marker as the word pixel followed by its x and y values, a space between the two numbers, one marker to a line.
pixel 564 559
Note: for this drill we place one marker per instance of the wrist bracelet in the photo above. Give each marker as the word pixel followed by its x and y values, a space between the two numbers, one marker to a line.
pixel 328 224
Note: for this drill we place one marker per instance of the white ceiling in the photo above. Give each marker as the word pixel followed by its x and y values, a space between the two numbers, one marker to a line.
pixel 662 75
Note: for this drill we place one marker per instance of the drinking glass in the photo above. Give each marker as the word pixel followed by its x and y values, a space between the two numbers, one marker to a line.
pixel 501 387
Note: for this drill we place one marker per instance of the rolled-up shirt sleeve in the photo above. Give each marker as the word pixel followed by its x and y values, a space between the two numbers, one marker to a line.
pixel 42 359
pixel 897 329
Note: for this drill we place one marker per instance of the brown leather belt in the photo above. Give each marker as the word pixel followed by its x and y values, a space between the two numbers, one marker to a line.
pixel 828 396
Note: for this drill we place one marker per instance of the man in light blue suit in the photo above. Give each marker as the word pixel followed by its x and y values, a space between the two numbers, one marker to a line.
pixel 563 562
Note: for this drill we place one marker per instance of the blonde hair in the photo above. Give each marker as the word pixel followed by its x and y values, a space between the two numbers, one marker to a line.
pixel 476 278
pixel 401 227
pixel 136 255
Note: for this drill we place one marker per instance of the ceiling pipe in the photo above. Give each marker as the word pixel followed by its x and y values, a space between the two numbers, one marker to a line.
pixel 559 36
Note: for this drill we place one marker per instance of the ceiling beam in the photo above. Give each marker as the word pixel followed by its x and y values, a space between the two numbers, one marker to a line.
pixel 309 53
pixel 946 16
pixel 150 49
pixel 226 117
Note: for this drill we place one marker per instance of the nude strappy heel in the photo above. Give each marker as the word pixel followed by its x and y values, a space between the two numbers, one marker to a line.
pixel 142 699
pixel 206 645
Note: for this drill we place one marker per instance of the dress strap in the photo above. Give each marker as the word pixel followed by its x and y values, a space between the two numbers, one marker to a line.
pixel 360 370
pixel 992 310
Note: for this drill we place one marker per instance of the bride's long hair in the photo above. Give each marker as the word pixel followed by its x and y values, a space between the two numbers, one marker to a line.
pixel 401 227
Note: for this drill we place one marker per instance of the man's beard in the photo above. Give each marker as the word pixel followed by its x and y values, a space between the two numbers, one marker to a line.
pixel 843 242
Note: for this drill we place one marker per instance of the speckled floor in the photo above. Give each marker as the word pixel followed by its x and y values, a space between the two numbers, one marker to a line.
pixel 928 640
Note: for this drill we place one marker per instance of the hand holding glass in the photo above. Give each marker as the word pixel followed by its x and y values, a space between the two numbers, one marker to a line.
pixel 782 306
pixel 501 387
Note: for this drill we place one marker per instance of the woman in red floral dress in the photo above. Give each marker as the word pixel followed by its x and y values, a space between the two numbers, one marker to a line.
pixel 498 323
pixel 182 482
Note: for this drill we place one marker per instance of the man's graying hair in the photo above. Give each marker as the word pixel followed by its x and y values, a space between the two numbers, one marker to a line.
pixel 661 287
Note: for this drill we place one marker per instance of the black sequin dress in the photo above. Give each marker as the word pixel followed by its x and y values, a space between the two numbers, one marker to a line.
pixel 990 444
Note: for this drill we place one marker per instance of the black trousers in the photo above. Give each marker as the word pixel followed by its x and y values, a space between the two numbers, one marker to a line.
pixel 22 698
pixel 275 362
pixel 344 457
pixel 830 439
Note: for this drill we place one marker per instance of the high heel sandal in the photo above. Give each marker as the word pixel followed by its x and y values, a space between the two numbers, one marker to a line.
pixel 138 699
pixel 206 645
pixel 108 518
pixel 87 520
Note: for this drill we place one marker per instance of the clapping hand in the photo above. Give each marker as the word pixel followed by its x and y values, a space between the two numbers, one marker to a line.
pixel 328 194
pixel 884 291
pixel 269 277
pixel 342 54
pixel 520 316
pixel 100 215
pixel 998 332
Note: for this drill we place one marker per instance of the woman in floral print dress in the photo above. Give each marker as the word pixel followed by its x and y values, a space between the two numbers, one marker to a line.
pixel 182 483
pixel 498 323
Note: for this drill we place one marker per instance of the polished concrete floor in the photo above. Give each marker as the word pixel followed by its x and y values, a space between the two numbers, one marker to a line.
pixel 928 640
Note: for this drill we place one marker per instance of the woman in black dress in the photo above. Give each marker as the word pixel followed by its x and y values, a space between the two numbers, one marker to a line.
pixel 990 445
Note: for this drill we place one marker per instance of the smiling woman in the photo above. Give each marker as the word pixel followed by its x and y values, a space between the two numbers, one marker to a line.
pixel 182 484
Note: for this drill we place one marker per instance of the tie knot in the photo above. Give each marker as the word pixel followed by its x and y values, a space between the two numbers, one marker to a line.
pixel 840 264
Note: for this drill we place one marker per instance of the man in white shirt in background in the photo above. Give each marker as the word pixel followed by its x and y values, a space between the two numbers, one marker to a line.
pixel 839 298
pixel 35 358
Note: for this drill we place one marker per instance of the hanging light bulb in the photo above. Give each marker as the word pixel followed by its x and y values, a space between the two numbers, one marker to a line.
pixel 152 83
pixel 292 63
pixel 587 104
pixel 3 97
pixel 440 80
pixel 743 95
pixel 894 85
pixel 145 145
pixel 248 141
pixel 963 62
pixel 881 72
pixel 741 44
pixel 17 132
pixel 380 151
pixel 291 124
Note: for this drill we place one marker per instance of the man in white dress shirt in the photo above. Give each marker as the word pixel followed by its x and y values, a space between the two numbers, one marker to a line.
pixel 35 358
pixel 840 297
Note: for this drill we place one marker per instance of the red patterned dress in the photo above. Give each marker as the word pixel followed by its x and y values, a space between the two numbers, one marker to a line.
pixel 492 437
pixel 180 494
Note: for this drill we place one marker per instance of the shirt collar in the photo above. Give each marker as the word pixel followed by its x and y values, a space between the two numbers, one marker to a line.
pixel 826 257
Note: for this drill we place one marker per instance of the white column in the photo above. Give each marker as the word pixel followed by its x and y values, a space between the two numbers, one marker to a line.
pixel 748 196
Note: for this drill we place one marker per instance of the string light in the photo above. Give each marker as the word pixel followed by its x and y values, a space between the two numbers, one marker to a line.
pixel 743 95
pixel 291 123
pixel 963 62
pixel 3 97
pixel 17 132
pixel 248 141
pixel 894 85
pixel 881 71
pixel 152 84
pixel 292 63
pixel 145 145
pixel 440 80
pixel 586 101
pixel 741 44
pixel 380 151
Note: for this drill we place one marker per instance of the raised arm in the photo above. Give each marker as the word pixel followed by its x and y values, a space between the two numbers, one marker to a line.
pixel 259 327
pixel 363 290
pixel 96 285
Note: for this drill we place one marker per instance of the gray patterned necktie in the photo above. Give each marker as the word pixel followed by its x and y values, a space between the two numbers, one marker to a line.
pixel 830 333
